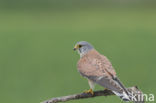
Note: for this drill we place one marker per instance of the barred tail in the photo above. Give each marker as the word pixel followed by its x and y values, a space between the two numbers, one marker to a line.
pixel 123 96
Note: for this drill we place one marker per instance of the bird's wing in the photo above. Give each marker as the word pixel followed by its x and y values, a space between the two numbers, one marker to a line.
pixel 97 68
pixel 107 66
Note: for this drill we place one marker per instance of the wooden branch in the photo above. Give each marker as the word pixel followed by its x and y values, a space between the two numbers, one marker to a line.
pixel 87 95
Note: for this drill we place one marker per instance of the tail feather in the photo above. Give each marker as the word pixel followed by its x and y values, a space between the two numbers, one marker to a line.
pixel 123 96
pixel 122 86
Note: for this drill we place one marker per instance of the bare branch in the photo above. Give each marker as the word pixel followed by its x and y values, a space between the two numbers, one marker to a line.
pixel 87 95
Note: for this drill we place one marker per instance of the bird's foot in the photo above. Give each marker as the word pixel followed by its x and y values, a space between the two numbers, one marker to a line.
pixel 105 89
pixel 89 91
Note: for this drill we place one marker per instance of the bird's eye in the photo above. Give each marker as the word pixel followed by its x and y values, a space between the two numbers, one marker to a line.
pixel 80 46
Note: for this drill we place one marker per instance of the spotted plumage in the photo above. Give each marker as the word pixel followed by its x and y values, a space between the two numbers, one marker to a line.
pixel 98 70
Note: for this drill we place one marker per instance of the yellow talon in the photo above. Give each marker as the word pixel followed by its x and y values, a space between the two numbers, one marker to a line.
pixel 89 91
pixel 105 89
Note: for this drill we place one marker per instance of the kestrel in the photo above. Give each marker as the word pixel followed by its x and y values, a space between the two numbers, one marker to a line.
pixel 98 70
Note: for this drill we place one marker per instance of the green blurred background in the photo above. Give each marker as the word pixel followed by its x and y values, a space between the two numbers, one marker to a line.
pixel 37 37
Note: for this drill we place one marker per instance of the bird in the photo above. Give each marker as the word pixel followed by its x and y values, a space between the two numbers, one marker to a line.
pixel 98 70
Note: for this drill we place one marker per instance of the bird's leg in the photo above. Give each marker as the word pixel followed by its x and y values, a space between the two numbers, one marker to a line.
pixel 91 84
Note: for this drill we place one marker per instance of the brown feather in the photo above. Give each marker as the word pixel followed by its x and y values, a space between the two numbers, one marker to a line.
pixel 98 68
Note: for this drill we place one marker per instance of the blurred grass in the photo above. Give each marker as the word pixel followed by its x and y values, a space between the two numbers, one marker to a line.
pixel 37 61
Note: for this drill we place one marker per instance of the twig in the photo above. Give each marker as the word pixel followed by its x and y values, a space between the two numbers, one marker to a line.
pixel 87 95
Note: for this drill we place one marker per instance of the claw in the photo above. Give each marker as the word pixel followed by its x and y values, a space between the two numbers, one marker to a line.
pixel 89 91
pixel 105 89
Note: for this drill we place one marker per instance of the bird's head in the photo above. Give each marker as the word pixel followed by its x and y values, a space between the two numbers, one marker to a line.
pixel 83 47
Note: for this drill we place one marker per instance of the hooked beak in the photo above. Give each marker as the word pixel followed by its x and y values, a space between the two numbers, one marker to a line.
pixel 76 47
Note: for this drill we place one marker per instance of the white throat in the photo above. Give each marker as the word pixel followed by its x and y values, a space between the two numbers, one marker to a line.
pixel 83 53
